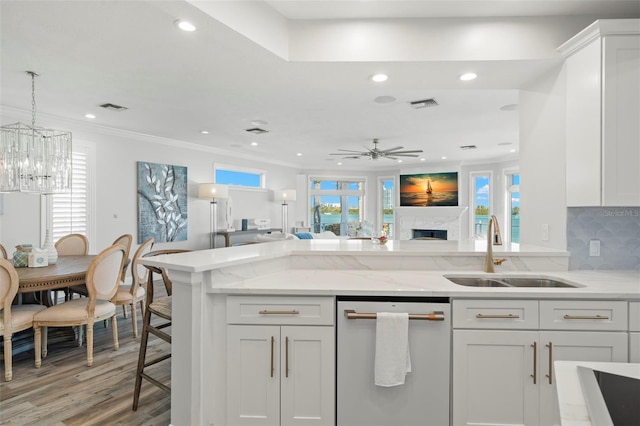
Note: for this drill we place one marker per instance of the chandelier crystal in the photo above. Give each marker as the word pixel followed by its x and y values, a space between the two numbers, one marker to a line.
pixel 34 159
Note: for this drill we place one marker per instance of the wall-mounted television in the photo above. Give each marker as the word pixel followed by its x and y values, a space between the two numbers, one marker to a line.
pixel 429 190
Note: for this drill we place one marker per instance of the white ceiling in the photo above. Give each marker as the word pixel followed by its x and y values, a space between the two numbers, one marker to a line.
pixel 314 98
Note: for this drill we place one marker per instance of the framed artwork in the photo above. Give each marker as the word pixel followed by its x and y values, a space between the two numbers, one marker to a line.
pixel 429 189
pixel 162 202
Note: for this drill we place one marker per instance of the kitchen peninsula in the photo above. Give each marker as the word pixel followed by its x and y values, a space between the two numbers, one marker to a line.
pixel 206 283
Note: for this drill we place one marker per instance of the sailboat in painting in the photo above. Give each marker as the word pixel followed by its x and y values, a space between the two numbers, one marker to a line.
pixel 429 189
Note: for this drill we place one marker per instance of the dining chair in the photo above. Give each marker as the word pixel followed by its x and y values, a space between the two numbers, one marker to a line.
pixel 3 252
pixel 102 280
pixel 71 244
pixel 14 318
pixel 160 307
pixel 134 293
pixel 125 241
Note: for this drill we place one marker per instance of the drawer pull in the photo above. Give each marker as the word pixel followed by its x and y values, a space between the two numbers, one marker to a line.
pixel 595 317
pixel 435 316
pixel 550 375
pixel 286 354
pixel 272 366
pixel 505 316
pixel 291 312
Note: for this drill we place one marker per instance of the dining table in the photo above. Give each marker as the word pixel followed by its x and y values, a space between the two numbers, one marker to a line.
pixel 66 272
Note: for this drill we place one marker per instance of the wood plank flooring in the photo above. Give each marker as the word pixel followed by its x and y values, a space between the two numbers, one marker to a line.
pixel 64 391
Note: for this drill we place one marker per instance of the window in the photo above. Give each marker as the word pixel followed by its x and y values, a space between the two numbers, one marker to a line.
pixel 480 203
pixel 386 213
pixel 69 213
pixel 237 176
pixel 336 205
pixel 513 206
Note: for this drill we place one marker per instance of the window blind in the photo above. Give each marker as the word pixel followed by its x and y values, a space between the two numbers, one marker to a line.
pixel 69 211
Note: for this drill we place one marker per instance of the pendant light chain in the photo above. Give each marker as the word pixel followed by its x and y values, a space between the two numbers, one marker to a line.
pixel 33 97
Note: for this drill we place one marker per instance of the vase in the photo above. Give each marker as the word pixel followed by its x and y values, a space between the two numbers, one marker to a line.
pixel 49 248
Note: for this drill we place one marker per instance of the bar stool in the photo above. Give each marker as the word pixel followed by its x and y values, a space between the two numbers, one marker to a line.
pixel 161 307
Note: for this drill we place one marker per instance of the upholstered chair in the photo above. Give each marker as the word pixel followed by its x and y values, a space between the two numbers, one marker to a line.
pixel 134 293
pixel 124 241
pixel 3 252
pixel 13 318
pixel 72 244
pixel 102 280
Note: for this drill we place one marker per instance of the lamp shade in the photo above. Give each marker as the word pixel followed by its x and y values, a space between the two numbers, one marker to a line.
pixel 284 195
pixel 213 190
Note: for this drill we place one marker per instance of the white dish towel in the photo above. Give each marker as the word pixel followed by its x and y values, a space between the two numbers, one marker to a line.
pixel 392 359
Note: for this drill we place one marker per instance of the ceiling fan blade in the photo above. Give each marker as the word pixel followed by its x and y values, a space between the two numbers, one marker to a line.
pixel 406 155
pixel 348 150
pixel 415 151
pixel 393 149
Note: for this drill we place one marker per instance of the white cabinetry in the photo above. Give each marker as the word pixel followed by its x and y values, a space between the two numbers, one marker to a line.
pixel 634 331
pixel 603 114
pixel 280 361
pixel 504 375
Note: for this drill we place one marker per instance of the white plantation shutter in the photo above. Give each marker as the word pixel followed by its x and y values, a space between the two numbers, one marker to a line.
pixel 69 211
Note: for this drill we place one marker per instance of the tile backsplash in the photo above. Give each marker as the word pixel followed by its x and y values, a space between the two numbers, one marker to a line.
pixel 616 228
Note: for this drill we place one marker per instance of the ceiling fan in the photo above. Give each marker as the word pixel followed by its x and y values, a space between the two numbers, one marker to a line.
pixel 375 153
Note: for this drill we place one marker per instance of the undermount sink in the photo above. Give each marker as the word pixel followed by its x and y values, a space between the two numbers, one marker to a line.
pixel 539 282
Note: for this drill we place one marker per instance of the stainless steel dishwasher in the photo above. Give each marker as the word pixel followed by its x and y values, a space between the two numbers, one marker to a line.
pixel 424 398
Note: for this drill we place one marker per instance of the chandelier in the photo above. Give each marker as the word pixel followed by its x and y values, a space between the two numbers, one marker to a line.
pixel 34 159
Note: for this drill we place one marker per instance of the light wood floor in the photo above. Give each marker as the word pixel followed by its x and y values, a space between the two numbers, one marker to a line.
pixel 64 391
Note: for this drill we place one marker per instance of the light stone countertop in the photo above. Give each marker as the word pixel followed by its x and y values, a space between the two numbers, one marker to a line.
pixel 348 267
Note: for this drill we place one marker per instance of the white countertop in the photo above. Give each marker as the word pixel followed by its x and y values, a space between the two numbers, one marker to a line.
pixel 202 260
pixel 571 401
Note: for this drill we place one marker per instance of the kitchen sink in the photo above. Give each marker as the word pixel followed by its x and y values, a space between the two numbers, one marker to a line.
pixel 539 282
pixel 476 282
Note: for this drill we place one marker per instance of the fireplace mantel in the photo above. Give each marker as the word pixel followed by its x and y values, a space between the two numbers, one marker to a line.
pixel 445 218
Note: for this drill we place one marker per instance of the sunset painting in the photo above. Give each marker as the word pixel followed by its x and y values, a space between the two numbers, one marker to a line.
pixel 429 189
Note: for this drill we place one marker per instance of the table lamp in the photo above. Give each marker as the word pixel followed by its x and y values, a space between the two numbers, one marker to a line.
pixel 213 191
pixel 285 195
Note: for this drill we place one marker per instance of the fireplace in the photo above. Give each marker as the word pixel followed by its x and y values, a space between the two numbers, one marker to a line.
pixel 430 234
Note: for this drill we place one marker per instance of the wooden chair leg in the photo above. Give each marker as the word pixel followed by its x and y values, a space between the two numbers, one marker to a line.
pixel 142 308
pixel 37 342
pixel 8 367
pixel 89 345
pixel 146 318
pixel 134 320
pixel 80 335
pixel 124 311
pixel 45 342
pixel 114 330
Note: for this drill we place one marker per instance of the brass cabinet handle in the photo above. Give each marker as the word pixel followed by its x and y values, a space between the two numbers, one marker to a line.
pixel 534 345
pixel 505 316
pixel 286 356
pixel 550 375
pixel 291 312
pixel 273 341
pixel 595 317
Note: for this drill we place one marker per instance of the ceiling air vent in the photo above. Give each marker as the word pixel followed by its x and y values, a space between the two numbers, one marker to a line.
pixel 113 107
pixel 257 131
pixel 425 103
pixel 467 147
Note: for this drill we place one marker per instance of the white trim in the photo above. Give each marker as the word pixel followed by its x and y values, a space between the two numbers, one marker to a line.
pixel 472 194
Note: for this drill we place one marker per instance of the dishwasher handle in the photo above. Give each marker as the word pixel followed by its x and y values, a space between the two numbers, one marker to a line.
pixel 434 316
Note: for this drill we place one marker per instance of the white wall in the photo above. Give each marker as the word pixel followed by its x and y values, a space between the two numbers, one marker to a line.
pixel 542 153
pixel 116 189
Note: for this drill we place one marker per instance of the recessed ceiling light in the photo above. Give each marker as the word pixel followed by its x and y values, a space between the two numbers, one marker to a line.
pixel 89 115
pixel 443 157
pixel 512 150
pixel 379 78
pixel 204 132
pixel 399 161
pixel 468 76
pixel 423 159
pixel 185 26
pixel 299 154
pixel 254 143
pixel 339 164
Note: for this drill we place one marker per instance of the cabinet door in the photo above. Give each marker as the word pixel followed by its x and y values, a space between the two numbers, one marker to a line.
pixel 253 375
pixel 307 374
pixel 634 347
pixel 621 115
pixel 573 346
pixel 493 377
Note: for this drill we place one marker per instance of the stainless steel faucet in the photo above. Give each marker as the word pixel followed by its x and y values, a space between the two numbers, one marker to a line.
pixel 493 238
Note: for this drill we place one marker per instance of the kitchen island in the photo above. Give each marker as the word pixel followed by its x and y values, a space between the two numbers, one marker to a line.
pixel 203 281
